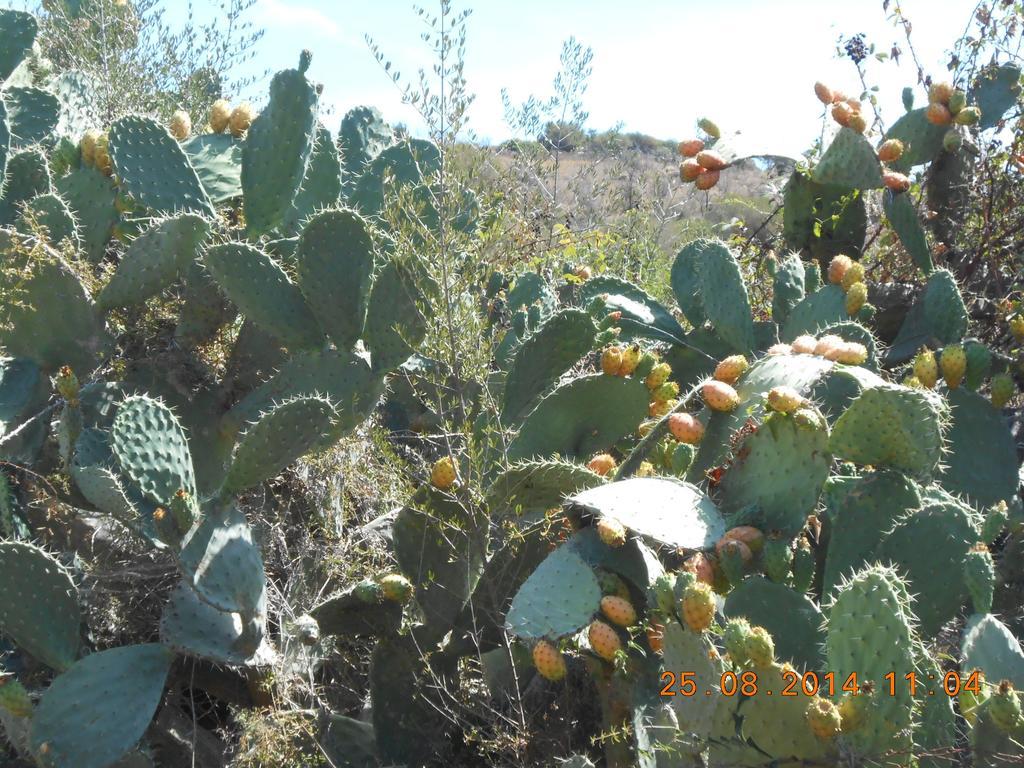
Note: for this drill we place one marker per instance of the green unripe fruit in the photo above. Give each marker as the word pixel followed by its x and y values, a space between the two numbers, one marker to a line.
pixel 67 386
pixel 823 718
pixel 709 128
pixel 396 588
pixel 368 591
pixel 803 565
pixel 1004 708
pixel 969 701
pixel 659 375
pixel 645 365
pixel 760 648
pixel 952 140
pixel 957 101
pixel 778 557
pixel 13 696
pixel 731 559
pixel 967 116
pixel 667 391
pixel 1003 388
pixel 996 518
pixel 980 578
pixel 682 457
pixel 979 364
pixel 612 584
pixel 664 593
pixel 183 511
pixel 734 636
pixel 953 363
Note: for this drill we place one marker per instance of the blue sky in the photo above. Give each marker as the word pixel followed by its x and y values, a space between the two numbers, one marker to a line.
pixel 658 64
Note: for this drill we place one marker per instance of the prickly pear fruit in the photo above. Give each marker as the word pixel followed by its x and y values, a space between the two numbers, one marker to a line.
pixel 939 114
pixel 837 268
pixel 101 157
pixel 980 577
pixel 857 122
pixel 611 532
pixel 697 606
pixel 88 146
pixel 663 593
pixel 220 115
pixel 969 699
pixel 710 128
pixel 823 92
pixel 548 660
pixel 690 147
pixel 735 637
pixel 656 636
pixel 67 385
pixel 733 556
pixel 658 408
pixel 952 140
pixel 855 274
pixel 240 120
pixel 953 364
pixel 618 611
pixel 630 360
pixel 804 345
pixel 604 641
pixel 710 160
pixel 602 464
pixel 443 474
pixel 940 93
pixel 996 518
pixel 706 180
pixel 926 368
pixel 824 718
pixel 368 591
pixel 180 125
pixel 701 566
pixel 957 101
pixel 760 648
pixel 13 696
pixel 778 557
pixel 659 375
pixel 612 584
pixel 779 349
pixel 1016 323
pixel 720 396
pixel 803 565
pixel 852 353
pixel 731 368
pixel 828 345
pixel 856 297
pixel 855 707
pixel 1004 708
pixel 667 391
pixel 689 170
pixel 896 182
pixel 841 113
pixel 784 399
pixel 748 534
pixel 890 151
pixel 611 361
pixel 967 116
pixel 1003 388
pixel 685 428
pixel 396 588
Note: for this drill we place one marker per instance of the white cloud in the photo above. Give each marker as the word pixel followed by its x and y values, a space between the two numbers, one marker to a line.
pixel 277 14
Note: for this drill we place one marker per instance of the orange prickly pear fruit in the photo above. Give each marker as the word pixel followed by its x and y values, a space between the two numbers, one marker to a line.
pixel 548 660
pixel 685 428
pixel 939 114
pixel 707 179
pixel 890 151
pixel 618 610
pixel 837 268
pixel 731 368
pixel 896 182
pixel 689 170
pixel 611 532
pixel 842 113
pixel 823 92
pixel 711 160
pixel 690 147
pixel 720 396
pixel 604 641
pixel 602 464
pixel 940 93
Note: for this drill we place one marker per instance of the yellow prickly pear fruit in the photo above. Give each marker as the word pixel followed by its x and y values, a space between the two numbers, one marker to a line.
pixel 953 364
pixel 685 428
pixel 804 345
pixel 896 182
pixel 823 92
pixel 837 268
pixel 731 368
pixel 827 345
pixel 841 113
pixel 658 408
pixel 611 532
pixel 618 610
pixel 88 146
pixel 396 588
pixel 101 156
pixel 720 396
pixel 856 298
pixel 759 647
pixel 1016 323
pixel 240 119
pixel 659 375
pixel 706 180
pixel 180 125
pixel 940 93
pixel 646 469
pixel 939 114
pixel 630 360
pixel 1004 708
pixel 857 122
pixel 824 718
pixel 602 464
pixel 220 115
pixel 548 660
pixel 604 641
pixel 852 353
pixel 611 361
pixel 784 399
pixel 926 368
pixel 690 147
pixel 443 474
pixel 666 392
pixel 697 606
pixel 890 151
pixel 1003 388
pixel 689 170
pixel 855 274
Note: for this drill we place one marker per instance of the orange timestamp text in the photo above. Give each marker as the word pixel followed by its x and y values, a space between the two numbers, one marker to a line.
pixel 795 683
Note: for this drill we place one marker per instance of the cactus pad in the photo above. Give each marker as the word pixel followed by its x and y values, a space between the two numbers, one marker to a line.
pixel 546 606
pixel 151 448
pixel 904 220
pixel 689 651
pixel 849 162
pixel 17 33
pixel 533 485
pixel 32 114
pixel 792 619
pixel 90 195
pixel 217 160
pixel 321 186
pixel 777 725
pixel 394 323
pixel 191 627
pixel 995 91
pixel 818 310
pixel 990 646
pixel 922 140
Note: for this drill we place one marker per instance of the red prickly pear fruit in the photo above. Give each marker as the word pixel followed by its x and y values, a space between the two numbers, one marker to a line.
pixel 701 566
pixel 731 368
pixel 690 147
pixel 896 182
pixel 697 606
pixel 604 641
pixel 618 610
pixel 707 179
pixel 685 428
pixel 656 636
pixel 890 151
pixel 939 114
pixel 837 268
pixel 611 532
pixel 602 464
pixel 824 93
pixel 711 160
pixel 549 661
pixel 745 534
pixel 720 396
pixel 689 170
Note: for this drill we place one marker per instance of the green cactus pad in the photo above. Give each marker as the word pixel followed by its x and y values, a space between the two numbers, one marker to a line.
pixel 777 725
pixel 578 419
pixel 90 195
pixel 441 547
pixel 154 260
pixel 217 160
pixel 362 136
pixel 689 651
pixel 859 511
pixel 262 290
pixel 559 598
pixel 788 290
pixel 5 146
pixel 394 323
pixel 403 164
pixel 334 265
pixel 792 619
pixel 193 628
pixel 276 151
pixel 899 210
pixel 77 93
pixel 347 615
pixel 204 309
pixel 94 713
pixel 538 485
pixel 892 426
pixel 825 220
pixel 818 310
pixel 850 162
pixel 347 742
pixel 93 470
pixel 51 213
pixel 667 513
pixel 32 114
pixel 995 91
pixel 544 356
pixel 321 185
pixel 17 33
pixel 685 282
pixel 643 316
pixel 981 463
pixel 28 175
pixel 528 289
pixel 724 294
pixel 634 561
pixel 153 169
pixel 990 646
pixel 868 634
pixel 23 391
pixel 922 140
pixel 39 609
pixel 781 467
pixel 221 562
pixel 280 437
pixel 151 449
pixel 344 379
pixel 934 572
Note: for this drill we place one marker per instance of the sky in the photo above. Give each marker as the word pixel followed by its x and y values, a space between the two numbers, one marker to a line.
pixel 658 65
